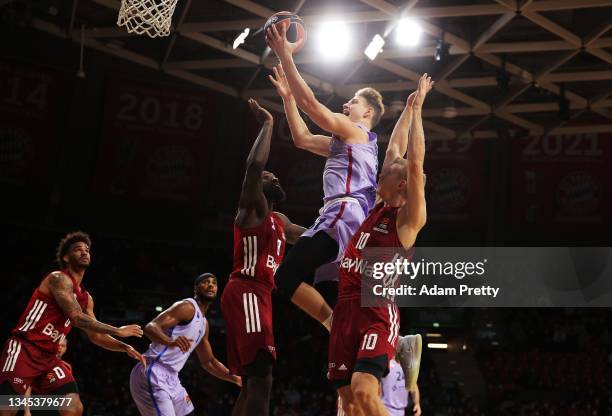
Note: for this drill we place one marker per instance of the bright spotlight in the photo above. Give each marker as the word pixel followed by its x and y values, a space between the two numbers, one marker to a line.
pixel 240 38
pixel 334 39
pixel 408 32
pixel 375 47
pixel 437 345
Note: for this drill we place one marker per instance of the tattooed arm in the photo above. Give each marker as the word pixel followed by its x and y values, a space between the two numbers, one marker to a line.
pixel 62 290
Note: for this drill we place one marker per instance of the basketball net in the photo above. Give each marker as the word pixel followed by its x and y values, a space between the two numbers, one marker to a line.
pixel 149 17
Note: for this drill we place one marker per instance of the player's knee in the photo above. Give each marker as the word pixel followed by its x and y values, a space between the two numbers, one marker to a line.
pixel 79 408
pixel 287 281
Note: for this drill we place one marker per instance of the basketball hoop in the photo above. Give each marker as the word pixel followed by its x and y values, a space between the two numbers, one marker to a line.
pixel 149 17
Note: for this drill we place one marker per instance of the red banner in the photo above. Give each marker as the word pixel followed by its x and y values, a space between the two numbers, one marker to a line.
pixel 29 102
pixel 455 170
pixel 562 181
pixel 155 143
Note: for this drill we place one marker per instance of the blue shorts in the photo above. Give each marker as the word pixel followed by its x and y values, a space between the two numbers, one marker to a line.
pixel 157 391
pixel 340 219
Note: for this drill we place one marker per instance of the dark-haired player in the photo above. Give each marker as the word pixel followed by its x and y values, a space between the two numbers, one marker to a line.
pixel 259 245
pixel 175 334
pixel 57 304
pixel 349 179
pixel 364 339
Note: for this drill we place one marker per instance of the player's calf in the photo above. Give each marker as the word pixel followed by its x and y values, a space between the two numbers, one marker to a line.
pixel 365 389
pixel 347 402
pixel 76 406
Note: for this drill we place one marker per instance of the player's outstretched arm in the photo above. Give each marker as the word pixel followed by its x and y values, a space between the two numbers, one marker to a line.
pixel 211 364
pixel 252 196
pixel 335 123
pixel 413 214
pixel 182 311
pixel 108 342
pixel 300 134
pixel 62 290
pixel 292 231
pixel 398 143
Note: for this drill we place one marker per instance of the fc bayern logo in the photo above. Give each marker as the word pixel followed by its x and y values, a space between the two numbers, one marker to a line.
pixel 579 193
pixel 449 190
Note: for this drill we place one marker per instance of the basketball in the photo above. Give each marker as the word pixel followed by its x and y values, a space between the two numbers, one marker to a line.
pixel 296 32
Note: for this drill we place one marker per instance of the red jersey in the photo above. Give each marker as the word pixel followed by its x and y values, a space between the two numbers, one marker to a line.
pixel 43 323
pixel 259 250
pixel 379 234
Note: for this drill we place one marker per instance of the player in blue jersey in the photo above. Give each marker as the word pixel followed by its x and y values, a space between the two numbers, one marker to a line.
pixel 349 179
pixel 394 394
pixel 175 334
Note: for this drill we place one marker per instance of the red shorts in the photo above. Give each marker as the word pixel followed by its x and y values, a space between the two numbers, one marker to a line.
pixel 247 310
pixel 24 365
pixel 359 334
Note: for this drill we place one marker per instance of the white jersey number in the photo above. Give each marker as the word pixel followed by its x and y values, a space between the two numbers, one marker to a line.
pixel 369 341
pixel 59 372
pixel 363 239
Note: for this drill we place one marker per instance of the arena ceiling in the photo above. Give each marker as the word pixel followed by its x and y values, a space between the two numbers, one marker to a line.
pixel 512 64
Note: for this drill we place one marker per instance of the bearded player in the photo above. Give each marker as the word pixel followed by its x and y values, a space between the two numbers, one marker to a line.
pixel 349 179
pixel 175 334
pixel 364 339
pixel 259 245
pixel 58 303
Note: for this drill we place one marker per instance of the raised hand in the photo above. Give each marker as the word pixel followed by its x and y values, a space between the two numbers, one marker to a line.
pixel 261 114
pixel 425 85
pixel 280 82
pixel 129 331
pixel 182 342
pixel 277 41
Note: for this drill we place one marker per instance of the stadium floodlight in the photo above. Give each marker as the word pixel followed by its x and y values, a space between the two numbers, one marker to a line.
pixel 408 32
pixel 375 47
pixel 437 345
pixel 334 39
pixel 241 37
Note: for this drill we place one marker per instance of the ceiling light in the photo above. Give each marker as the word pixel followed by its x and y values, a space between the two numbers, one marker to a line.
pixel 333 39
pixel 375 47
pixel 241 37
pixel 408 32
pixel 437 345
pixel 442 51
